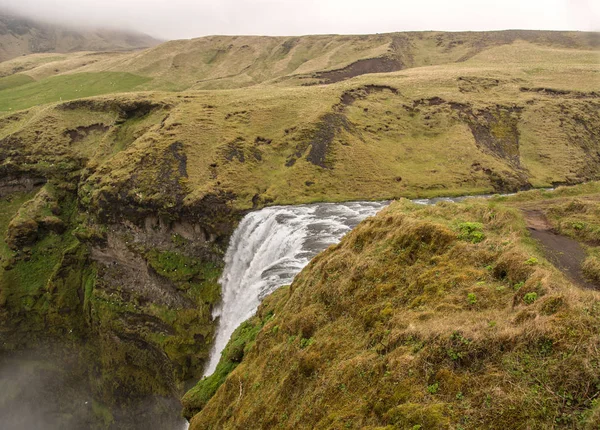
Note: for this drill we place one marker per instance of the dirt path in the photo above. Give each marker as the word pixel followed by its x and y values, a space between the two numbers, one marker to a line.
pixel 565 253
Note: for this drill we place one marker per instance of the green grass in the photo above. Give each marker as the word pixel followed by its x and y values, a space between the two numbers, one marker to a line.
pixel 67 87
pixel 13 81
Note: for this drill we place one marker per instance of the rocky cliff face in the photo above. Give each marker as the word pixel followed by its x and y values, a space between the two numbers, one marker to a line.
pixel 129 284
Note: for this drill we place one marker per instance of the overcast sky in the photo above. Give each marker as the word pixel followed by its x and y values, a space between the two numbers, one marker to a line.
pixel 174 19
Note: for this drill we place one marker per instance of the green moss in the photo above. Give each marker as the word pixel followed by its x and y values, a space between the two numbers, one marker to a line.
pixel 198 278
pixel 416 416
pixel 102 413
pixel 9 207
pixel 241 341
pixel 41 282
pixel 89 279
pixel 173 265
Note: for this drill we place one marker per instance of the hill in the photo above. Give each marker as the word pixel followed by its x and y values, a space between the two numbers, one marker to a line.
pixel 22 36
pixel 224 62
pixel 511 117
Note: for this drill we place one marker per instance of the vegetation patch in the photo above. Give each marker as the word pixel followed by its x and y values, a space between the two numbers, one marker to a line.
pixel 67 87
pixel 13 81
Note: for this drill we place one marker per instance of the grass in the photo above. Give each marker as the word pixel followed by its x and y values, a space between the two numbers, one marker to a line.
pixel 412 327
pixel 8 209
pixel 66 87
pixel 427 135
pixel 220 62
pixel 13 81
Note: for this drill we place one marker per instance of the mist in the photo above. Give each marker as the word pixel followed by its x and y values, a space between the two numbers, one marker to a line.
pixel 49 389
pixel 41 392
pixel 175 19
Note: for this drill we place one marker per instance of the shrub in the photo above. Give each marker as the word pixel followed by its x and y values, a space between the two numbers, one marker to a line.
pixel 591 269
pixel 433 388
pixel 471 298
pixel 471 231
pixel 529 298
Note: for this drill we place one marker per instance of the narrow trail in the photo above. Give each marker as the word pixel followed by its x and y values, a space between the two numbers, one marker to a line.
pixel 565 253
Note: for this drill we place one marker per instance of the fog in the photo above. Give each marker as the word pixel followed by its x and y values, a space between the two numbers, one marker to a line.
pixel 173 19
pixel 41 392
pixel 49 389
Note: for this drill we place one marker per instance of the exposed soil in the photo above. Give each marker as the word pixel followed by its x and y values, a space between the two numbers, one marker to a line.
pixel 80 133
pixel 238 149
pixel 349 97
pixel 561 93
pixel 360 67
pixel 320 140
pixel 565 253
pixel 127 109
pixel 495 130
pixel 472 84
pixel 23 184
pixel 119 266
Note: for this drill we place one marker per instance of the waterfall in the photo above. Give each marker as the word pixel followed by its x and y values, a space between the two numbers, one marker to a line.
pixel 268 249
pixel 272 245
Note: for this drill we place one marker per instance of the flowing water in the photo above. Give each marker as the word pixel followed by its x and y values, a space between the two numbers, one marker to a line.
pixel 269 248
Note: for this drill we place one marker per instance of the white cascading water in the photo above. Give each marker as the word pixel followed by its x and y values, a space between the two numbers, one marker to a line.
pixel 268 249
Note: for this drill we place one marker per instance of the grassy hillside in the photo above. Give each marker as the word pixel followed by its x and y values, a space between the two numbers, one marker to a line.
pixel 220 62
pixel 22 36
pixel 437 317
pixel 482 125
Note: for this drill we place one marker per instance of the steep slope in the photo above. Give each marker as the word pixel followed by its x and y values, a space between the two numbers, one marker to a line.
pixel 22 36
pixel 423 317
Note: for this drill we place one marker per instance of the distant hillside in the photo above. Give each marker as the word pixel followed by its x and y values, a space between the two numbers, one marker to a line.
pixel 233 62
pixel 22 36
pixel 224 62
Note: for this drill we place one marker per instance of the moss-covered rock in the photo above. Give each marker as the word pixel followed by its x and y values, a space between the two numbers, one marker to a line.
pixel 241 341
pixel 21 232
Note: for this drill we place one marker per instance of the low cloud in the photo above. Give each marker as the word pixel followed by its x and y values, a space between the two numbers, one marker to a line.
pixel 172 19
